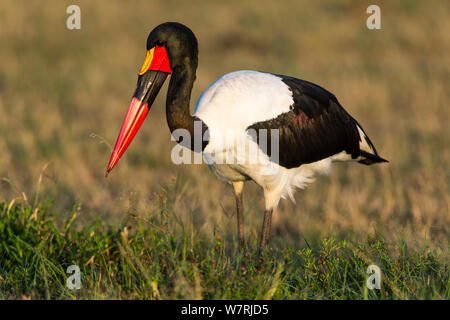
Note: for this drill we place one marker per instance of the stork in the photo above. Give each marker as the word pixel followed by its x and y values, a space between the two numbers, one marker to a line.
pixel 311 128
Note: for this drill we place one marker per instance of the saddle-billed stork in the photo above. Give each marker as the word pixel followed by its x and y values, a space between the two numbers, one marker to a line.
pixel 312 129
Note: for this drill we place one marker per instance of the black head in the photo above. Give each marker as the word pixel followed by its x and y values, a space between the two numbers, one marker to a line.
pixel 171 49
pixel 179 41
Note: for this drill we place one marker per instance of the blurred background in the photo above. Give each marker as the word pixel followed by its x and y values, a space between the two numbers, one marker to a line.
pixel 64 93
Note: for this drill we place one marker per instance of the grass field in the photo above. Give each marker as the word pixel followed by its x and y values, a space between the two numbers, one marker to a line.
pixel 156 230
pixel 157 256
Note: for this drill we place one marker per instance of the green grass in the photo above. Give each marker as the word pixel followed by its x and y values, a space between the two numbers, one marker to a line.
pixel 157 256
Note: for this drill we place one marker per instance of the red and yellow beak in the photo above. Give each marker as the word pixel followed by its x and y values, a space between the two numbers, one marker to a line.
pixel 153 73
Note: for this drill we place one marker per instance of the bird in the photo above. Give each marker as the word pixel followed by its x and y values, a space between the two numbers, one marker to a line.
pixel 278 131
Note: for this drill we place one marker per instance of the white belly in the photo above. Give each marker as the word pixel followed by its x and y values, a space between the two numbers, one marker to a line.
pixel 230 165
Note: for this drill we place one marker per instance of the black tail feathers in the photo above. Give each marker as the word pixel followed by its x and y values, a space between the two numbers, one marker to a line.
pixel 369 158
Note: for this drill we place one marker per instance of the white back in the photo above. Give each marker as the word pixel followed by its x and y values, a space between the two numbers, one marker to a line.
pixel 241 98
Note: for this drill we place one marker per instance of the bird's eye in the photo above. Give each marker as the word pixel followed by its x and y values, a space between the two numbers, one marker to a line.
pixel 159 43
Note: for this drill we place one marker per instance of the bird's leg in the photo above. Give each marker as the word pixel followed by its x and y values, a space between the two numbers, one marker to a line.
pixel 238 186
pixel 265 230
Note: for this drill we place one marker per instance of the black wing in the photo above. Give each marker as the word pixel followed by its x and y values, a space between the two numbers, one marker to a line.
pixel 316 127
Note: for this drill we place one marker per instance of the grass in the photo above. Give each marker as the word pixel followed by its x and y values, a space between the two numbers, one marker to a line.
pixel 63 95
pixel 157 255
